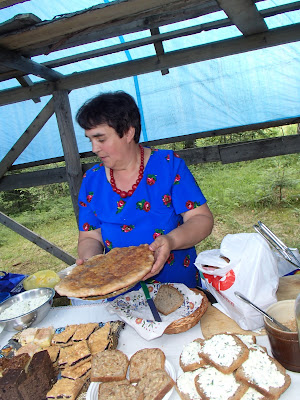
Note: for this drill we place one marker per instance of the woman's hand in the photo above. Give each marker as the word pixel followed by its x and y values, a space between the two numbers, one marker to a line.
pixel 161 247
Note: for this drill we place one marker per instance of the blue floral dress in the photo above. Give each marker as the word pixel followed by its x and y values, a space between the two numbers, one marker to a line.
pixel 167 189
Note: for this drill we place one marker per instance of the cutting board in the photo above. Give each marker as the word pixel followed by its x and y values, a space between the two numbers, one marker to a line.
pixel 214 321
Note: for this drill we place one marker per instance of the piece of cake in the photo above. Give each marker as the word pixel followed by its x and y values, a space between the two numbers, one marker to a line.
pixel 53 352
pixel 66 389
pixel 84 331
pixel 43 337
pixel 63 338
pixel 98 341
pixel 74 355
pixel 9 384
pixel 82 371
pixel 29 348
pixel 18 362
pixel 27 335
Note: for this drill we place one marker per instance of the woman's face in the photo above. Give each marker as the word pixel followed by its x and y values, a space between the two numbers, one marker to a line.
pixel 108 146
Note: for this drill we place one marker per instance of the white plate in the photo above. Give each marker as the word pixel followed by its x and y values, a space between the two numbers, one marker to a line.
pixel 92 393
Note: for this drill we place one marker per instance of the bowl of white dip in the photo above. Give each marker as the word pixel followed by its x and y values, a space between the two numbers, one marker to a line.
pixel 22 310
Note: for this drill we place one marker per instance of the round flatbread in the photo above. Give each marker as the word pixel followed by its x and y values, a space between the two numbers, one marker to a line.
pixel 105 274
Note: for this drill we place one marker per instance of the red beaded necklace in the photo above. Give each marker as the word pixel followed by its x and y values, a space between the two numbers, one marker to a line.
pixel 130 192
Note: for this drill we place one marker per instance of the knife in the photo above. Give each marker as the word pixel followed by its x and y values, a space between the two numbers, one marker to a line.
pixel 150 302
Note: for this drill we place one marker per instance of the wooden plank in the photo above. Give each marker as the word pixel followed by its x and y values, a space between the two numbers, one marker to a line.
pixel 26 137
pixel 274 37
pixel 260 149
pixel 19 21
pixel 227 153
pixel 13 60
pixel 103 21
pixel 8 3
pixel 36 239
pixel 25 81
pixel 159 48
pixel 67 134
pixel 244 14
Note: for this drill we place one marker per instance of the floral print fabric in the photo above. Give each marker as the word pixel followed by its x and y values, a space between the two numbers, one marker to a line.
pixel 167 189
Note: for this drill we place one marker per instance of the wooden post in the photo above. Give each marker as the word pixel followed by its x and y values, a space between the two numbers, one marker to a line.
pixel 67 134
pixel 36 239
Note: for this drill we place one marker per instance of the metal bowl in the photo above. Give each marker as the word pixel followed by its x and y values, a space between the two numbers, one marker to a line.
pixel 36 315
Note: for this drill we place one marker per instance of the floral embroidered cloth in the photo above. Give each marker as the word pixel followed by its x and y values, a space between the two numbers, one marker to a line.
pixel 133 309
pixel 167 189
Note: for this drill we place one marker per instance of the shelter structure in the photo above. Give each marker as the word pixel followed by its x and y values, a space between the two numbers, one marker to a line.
pixel 197 68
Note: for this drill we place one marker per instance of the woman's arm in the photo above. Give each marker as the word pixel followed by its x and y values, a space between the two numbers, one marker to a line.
pixel 197 225
pixel 89 244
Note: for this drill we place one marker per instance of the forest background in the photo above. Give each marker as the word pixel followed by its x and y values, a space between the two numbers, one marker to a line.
pixel 238 194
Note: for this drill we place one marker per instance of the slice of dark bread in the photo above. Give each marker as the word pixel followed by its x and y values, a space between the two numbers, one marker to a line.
pixel 144 361
pixel 155 385
pixel 109 365
pixel 210 382
pixel 264 374
pixel 225 352
pixel 190 359
pixel 168 299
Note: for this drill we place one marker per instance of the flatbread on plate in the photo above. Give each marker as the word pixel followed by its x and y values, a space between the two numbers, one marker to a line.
pixel 103 274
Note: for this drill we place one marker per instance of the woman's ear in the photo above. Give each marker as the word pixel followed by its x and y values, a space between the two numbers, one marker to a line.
pixel 130 134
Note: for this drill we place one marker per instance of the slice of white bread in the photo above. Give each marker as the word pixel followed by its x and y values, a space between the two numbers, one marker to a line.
pixel 253 394
pixel 168 299
pixel 109 365
pixel 155 385
pixel 117 391
pixel 190 359
pixel 225 352
pixel 144 361
pixel 185 386
pixel 211 384
pixel 264 374
pixel 249 340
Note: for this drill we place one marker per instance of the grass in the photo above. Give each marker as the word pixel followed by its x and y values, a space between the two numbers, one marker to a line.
pixel 238 194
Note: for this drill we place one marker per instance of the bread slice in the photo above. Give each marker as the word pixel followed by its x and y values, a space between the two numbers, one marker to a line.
pixel 264 374
pixel 185 386
pixel 155 385
pixel 225 352
pixel 119 391
pixel 109 365
pixel 190 359
pixel 168 299
pixel 249 340
pixel 210 383
pixel 253 394
pixel 144 361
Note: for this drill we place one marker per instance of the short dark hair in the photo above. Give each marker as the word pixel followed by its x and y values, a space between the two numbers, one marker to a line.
pixel 116 109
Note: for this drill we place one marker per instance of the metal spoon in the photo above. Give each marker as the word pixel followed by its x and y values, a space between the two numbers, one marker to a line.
pixel 282 327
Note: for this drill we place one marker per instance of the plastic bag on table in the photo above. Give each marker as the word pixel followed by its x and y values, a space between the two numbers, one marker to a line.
pixel 244 263
pixel 45 278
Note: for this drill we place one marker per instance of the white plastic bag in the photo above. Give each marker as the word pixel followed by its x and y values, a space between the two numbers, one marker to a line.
pixel 251 270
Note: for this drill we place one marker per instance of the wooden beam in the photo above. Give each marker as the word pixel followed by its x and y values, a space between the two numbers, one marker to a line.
pixel 227 153
pixel 102 22
pixel 159 48
pixel 8 3
pixel 13 60
pixel 25 81
pixel 274 37
pixel 36 239
pixel 26 137
pixel 244 14
pixel 260 149
pixel 68 139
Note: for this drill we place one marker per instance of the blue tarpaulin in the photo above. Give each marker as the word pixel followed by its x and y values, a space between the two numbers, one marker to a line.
pixel 243 89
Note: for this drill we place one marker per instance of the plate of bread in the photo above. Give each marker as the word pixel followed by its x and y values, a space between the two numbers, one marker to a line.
pixel 229 366
pixel 115 375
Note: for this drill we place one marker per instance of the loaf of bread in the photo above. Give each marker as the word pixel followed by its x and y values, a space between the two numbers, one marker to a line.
pixel 210 383
pixel 225 352
pixel 185 386
pixel 168 299
pixel 190 359
pixel 155 385
pixel 144 361
pixel 109 365
pixel 264 374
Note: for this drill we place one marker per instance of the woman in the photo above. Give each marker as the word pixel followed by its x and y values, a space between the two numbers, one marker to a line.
pixel 137 195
